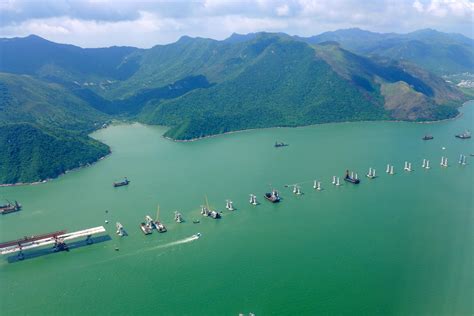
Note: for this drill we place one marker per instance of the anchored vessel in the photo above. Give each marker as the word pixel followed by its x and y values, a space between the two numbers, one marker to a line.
pixel 352 178
pixel 281 144
pixel 157 224
pixel 465 135
pixel 427 137
pixel 10 208
pixel 121 183
pixel 273 196
pixel 146 229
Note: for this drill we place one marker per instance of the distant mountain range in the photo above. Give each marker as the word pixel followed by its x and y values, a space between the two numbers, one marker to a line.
pixel 59 93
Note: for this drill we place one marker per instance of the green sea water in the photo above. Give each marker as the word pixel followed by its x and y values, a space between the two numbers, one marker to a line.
pixel 395 245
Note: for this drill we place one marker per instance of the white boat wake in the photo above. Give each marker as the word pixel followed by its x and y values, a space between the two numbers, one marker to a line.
pixel 141 250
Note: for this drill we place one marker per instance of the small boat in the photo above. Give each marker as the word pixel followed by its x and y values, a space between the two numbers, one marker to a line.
pixel 281 144
pixel 145 228
pixel 121 183
pixel 120 230
pixel 197 235
pixel 427 137
pixel 337 182
pixel 157 224
pixel 465 135
pixel 178 217
pixel 391 170
pixel 273 196
pixel 423 165
pixel 351 178
pixel 334 180
pixel 388 169
pixel 427 164
pixel 10 208
pixel 196 221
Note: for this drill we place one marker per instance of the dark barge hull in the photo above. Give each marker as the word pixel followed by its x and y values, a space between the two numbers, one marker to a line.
pixel 353 181
pixel 268 196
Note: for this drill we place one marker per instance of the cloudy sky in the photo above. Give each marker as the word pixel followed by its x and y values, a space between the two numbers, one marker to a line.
pixel 144 23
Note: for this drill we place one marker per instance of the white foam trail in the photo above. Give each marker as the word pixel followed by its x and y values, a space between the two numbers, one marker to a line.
pixel 141 250
pixel 174 243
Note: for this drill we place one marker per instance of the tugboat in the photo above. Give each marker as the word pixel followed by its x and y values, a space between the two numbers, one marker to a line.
pixel 10 208
pixel 277 144
pixel 427 137
pixel 121 183
pixel 145 228
pixel 273 196
pixel 158 225
pixel 465 135
pixel 351 178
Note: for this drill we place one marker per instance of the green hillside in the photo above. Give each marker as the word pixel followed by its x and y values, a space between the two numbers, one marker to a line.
pixel 51 100
pixel 44 130
pixel 31 153
pixel 435 51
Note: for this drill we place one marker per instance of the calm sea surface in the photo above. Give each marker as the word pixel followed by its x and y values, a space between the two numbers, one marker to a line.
pixel 401 244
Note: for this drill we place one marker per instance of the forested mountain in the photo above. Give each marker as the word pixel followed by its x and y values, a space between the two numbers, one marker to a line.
pixel 434 51
pixel 52 99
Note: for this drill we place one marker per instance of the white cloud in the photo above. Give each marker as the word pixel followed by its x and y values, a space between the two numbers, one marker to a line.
pixel 93 23
pixel 283 10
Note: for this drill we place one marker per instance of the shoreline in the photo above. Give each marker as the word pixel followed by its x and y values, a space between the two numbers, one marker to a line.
pixel 59 175
pixel 460 114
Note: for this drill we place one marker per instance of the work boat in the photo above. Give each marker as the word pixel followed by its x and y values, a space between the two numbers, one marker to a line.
pixel 121 183
pixel 351 178
pixel 145 228
pixel 158 225
pixel 465 135
pixel 273 196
